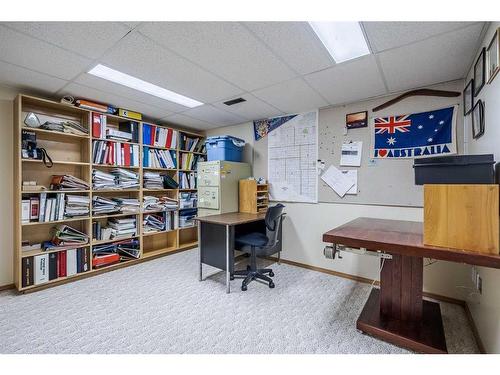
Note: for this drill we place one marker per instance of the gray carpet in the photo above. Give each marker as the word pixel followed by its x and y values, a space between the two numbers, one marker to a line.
pixel 161 307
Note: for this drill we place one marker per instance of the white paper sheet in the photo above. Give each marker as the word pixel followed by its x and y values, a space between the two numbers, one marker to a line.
pixel 353 176
pixel 351 154
pixel 340 183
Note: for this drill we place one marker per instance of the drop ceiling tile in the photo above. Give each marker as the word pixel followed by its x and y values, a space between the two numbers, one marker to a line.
pixel 138 56
pixel 350 81
pixel 225 48
pixel 42 57
pixel 209 113
pixel 291 96
pixel 295 43
pixel 252 109
pixel 386 35
pixel 114 88
pixel 90 39
pixel 24 79
pixel 80 91
pixel 188 122
pixel 434 60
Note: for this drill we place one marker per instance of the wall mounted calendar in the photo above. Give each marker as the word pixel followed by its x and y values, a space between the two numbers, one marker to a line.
pixel 292 158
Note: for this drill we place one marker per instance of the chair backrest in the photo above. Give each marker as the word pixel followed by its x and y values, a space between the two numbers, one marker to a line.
pixel 273 221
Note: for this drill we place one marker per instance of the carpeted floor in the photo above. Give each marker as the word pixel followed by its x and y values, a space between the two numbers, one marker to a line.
pixel 161 307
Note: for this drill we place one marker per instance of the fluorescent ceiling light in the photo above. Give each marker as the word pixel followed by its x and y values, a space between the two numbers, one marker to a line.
pixel 140 85
pixel 343 40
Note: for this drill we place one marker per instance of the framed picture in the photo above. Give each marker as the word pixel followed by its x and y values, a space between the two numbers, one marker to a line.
pixel 356 120
pixel 479 72
pixel 468 97
pixel 478 120
pixel 493 56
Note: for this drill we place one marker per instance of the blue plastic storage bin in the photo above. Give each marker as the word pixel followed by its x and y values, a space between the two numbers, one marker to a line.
pixel 224 147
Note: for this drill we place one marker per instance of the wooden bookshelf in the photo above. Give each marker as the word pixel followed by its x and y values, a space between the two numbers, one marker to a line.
pixel 73 154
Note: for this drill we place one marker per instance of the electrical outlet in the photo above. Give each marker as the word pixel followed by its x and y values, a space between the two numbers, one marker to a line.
pixel 479 284
pixel 474 275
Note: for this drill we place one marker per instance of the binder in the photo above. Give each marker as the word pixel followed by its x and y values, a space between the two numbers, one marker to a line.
pixel 53 266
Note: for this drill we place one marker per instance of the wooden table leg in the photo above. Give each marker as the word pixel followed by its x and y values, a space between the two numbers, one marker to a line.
pixel 397 313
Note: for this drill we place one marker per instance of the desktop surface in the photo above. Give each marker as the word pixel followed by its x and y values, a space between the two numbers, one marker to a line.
pixel 231 218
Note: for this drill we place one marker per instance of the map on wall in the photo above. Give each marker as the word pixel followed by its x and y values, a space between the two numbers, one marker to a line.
pixel 292 158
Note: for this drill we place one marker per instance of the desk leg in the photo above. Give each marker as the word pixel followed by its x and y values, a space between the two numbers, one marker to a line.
pixel 199 249
pixel 397 313
pixel 228 272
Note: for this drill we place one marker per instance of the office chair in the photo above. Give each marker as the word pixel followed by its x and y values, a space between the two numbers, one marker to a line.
pixel 259 244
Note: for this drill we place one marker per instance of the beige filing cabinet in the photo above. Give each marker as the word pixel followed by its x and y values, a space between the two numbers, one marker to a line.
pixel 218 186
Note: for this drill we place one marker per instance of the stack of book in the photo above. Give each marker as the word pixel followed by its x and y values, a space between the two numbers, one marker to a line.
pixel 187 180
pixel 190 161
pixel 65 126
pixel 186 217
pixel 122 227
pixel 108 254
pixel 192 144
pixel 101 205
pixel 128 204
pixel 159 137
pixel 154 223
pixel 77 205
pixel 103 180
pixel 64 235
pixel 126 179
pixel 159 203
pixel 67 182
pixel 115 153
pixel 153 158
pixel 188 200
pixel 127 130
pixel 99 232
pixel 46 267
pixel 153 180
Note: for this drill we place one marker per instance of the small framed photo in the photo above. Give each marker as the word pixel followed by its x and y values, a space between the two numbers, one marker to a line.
pixel 479 72
pixel 468 97
pixel 493 56
pixel 356 120
pixel 478 120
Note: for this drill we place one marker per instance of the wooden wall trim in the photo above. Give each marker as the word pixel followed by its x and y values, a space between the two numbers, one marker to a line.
pixel 7 287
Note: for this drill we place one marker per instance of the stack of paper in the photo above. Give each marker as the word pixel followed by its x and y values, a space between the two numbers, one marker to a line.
pixel 126 179
pixel 65 235
pixel 153 180
pixel 127 249
pixel 77 205
pixel 67 182
pixel 128 204
pixel 164 203
pixel 342 182
pixel 101 205
pixel 154 223
pixel 122 227
pixel 103 180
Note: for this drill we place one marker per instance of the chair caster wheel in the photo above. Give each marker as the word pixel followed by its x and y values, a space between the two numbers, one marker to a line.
pixel 271 285
pixel 231 277
pixel 271 274
pixel 244 288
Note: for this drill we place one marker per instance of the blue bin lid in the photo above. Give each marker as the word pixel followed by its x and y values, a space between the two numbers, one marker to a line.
pixel 236 141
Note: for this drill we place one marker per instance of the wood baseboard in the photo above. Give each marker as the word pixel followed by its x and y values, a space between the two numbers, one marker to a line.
pixel 7 287
pixel 427 295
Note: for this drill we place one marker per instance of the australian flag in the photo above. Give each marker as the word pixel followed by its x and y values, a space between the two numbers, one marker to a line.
pixel 416 135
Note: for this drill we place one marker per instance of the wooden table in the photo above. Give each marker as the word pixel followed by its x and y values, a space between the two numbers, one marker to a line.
pixel 212 229
pixel 397 313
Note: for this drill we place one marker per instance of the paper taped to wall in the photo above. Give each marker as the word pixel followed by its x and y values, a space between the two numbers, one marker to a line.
pixel 340 183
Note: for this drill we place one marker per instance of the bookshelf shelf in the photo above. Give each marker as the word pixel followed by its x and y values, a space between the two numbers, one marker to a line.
pixel 56 135
pixel 56 162
pixel 56 222
pixel 72 154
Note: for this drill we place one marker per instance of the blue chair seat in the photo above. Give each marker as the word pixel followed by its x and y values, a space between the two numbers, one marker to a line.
pixel 253 239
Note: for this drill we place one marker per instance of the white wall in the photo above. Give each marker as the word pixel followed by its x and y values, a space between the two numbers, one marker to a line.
pixel 485 308
pixel 306 223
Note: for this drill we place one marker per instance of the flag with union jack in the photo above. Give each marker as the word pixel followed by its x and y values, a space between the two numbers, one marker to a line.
pixel 416 135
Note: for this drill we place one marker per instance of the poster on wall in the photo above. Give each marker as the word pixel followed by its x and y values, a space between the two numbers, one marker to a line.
pixel 416 135
pixel 262 128
pixel 292 159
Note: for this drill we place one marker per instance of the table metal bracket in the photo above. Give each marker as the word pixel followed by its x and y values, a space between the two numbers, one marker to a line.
pixel 330 252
